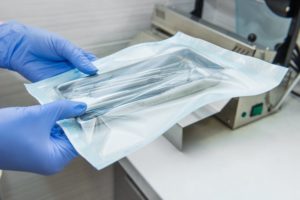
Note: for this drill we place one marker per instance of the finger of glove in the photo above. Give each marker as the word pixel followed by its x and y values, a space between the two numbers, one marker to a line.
pixel 62 143
pixel 63 109
pixel 89 55
pixel 77 58
pixel 62 152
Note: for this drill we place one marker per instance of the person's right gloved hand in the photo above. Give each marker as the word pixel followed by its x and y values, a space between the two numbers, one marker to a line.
pixel 31 141
pixel 37 54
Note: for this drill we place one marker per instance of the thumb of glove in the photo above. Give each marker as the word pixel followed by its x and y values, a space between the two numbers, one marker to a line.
pixel 62 109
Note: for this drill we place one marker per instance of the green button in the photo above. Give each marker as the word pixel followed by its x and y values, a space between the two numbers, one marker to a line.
pixel 244 114
pixel 256 110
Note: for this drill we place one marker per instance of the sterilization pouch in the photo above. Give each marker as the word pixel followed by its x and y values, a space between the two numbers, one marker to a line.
pixel 142 91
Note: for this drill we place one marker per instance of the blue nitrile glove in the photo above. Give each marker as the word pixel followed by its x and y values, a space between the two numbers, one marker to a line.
pixel 37 54
pixel 31 141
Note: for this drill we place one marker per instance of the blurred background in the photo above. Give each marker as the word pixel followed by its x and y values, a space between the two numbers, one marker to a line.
pixel 106 26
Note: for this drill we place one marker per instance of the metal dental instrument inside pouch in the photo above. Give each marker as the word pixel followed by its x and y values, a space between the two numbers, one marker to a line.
pixel 126 90
pixel 154 81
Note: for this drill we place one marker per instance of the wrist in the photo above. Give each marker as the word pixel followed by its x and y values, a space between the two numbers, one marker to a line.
pixel 11 34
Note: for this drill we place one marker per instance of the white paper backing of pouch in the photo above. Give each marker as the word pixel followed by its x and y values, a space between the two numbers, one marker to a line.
pixel 250 76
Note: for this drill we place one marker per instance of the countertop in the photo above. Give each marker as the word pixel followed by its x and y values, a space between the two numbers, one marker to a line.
pixel 257 161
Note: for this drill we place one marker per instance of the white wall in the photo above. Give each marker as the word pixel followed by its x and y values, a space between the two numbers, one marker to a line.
pixel 86 22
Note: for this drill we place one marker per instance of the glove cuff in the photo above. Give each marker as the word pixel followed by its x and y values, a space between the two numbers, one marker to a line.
pixel 11 34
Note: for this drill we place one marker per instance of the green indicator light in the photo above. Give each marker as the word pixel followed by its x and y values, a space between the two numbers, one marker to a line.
pixel 256 110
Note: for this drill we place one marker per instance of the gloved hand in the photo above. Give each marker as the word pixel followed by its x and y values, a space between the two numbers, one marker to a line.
pixel 37 54
pixel 31 141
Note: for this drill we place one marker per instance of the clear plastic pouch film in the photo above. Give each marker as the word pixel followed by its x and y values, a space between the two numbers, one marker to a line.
pixel 142 91
pixel 254 16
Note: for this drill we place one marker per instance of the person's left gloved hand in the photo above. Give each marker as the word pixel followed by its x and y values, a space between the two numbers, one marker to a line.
pixel 31 141
pixel 37 54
